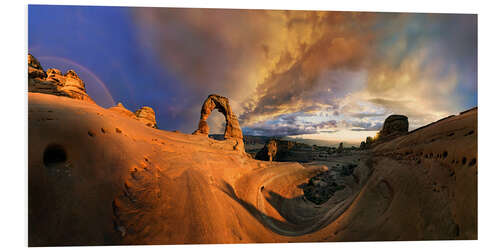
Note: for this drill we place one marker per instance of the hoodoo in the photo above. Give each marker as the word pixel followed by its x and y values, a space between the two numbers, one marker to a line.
pixel 147 116
pixel 394 125
pixel 54 82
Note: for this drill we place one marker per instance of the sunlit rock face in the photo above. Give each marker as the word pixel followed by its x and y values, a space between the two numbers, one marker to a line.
pixel 35 69
pixel 220 103
pixel 54 82
pixel 97 177
pixel 147 116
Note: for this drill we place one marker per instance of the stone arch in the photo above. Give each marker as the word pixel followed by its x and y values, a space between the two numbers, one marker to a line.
pixel 220 103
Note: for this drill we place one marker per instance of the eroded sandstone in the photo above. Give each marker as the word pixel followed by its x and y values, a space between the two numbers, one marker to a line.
pixel 54 82
pixel 220 103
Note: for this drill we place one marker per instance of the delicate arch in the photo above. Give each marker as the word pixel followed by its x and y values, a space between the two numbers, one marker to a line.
pixel 220 103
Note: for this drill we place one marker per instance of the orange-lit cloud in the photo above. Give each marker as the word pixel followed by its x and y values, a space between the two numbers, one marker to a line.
pixel 331 66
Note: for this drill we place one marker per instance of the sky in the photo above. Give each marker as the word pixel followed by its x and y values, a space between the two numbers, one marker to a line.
pixel 308 74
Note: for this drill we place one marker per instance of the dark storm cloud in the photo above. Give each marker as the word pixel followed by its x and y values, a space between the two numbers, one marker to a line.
pixel 289 125
pixel 271 63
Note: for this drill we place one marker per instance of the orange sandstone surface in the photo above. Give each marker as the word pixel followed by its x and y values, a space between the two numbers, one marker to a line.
pixel 101 176
pixel 98 177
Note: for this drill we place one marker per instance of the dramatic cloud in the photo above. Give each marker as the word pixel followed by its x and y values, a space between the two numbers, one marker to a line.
pixel 305 72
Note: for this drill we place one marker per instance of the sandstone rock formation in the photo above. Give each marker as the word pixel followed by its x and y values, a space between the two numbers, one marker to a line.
pixel 220 103
pixel 119 108
pixel 369 141
pixel 35 69
pixel 340 149
pixel 394 125
pixel 98 178
pixel 268 152
pixel 367 144
pixel 279 150
pixel 54 82
pixel 147 116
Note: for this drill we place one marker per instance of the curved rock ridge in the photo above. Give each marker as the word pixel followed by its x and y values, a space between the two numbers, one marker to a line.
pixel 220 103
pixel 54 82
pixel 119 108
pixel 98 178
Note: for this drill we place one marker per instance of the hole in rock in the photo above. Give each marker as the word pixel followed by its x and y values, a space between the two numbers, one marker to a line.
pixel 464 160
pixel 472 162
pixel 91 134
pixel 54 154
pixel 217 124
pixel 470 133
pixel 445 154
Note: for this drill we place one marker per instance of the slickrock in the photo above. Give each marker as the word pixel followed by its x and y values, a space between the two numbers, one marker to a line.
pixel 119 108
pixel 220 103
pixel 145 114
pixel 54 82
pixel 90 185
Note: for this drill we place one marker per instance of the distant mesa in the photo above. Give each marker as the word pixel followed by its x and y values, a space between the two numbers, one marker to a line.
pixel 289 151
pixel 54 82
pixel 220 103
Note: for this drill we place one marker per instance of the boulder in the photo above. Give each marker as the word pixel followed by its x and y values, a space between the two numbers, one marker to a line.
pixel 147 116
pixel 220 103
pixel 394 125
